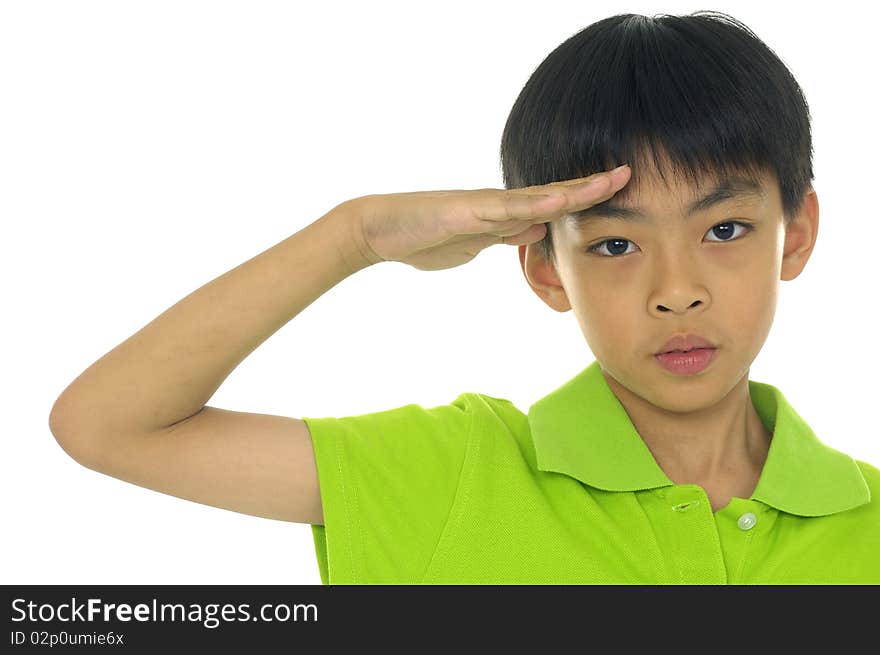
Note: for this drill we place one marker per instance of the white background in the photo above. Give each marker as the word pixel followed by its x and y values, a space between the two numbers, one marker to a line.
pixel 148 147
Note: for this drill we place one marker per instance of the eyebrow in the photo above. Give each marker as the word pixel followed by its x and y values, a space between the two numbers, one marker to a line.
pixel 727 189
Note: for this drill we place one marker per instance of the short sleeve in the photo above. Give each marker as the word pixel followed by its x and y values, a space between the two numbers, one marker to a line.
pixel 387 481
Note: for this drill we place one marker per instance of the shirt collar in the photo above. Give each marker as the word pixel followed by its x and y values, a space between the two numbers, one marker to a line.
pixel 582 430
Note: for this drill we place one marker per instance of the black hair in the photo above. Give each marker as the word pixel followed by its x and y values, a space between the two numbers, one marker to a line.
pixel 700 91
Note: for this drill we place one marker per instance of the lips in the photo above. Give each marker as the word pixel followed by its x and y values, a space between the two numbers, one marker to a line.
pixel 684 343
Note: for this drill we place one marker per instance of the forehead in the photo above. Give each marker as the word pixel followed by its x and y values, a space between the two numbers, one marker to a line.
pixel 647 197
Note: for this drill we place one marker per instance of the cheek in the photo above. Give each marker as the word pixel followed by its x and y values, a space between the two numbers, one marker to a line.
pixel 757 306
pixel 605 311
pixel 751 274
pixel 745 295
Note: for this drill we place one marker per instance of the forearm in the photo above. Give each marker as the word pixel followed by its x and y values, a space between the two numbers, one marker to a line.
pixel 169 369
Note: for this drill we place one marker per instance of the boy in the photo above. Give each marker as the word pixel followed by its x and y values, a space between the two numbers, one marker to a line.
pixel 659 463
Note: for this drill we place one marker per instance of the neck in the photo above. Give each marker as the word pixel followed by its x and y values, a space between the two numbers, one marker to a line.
pixel 724 445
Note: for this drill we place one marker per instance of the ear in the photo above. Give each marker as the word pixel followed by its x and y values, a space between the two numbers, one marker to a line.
pixel 800 237
pixel 542 276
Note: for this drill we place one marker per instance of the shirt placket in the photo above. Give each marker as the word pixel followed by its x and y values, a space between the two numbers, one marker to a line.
pixel 694 543
pixel 740 524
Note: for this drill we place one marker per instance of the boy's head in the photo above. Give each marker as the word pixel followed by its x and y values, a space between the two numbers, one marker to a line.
pixel 688 102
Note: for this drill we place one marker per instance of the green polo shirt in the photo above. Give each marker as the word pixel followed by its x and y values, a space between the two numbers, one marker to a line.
pixel 476 492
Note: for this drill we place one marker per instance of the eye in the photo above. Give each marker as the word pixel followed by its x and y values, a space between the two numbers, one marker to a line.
pixel 725 231
pixel 614 246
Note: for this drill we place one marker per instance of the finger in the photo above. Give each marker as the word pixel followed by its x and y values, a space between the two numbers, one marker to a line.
pixel 583 195
pixel 580 196
pixel 504 211
pixel 533 234
pixel 557 198
pixel 465 247
pixel 616 173
pixel 617 178
pixel 499 206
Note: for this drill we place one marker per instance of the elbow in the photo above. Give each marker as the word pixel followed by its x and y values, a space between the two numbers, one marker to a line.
pixel 62 425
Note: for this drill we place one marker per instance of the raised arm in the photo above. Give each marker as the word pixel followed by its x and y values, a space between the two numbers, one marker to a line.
pixel 139 413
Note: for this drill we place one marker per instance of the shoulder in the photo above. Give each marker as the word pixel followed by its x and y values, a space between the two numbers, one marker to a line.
pixel 486 425
pixel 500 431
pixel 455 416
pixel 482 403
pixel 490 412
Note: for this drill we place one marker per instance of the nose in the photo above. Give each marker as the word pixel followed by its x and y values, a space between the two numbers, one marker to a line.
pixel 677 286
pixel 665 308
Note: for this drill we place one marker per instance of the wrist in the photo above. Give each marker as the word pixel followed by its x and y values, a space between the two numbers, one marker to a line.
pixel 350 217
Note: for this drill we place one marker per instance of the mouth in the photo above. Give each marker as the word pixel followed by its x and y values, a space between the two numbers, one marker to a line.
pixel 685 343
pixel 687 362
pixel 667 352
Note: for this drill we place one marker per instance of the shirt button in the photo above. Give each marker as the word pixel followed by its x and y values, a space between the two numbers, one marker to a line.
pixel 747 521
